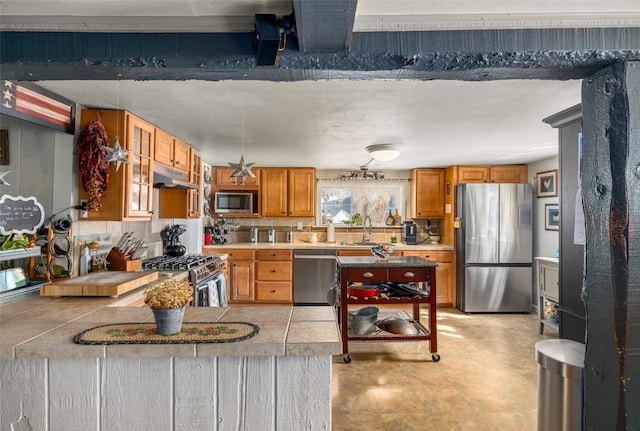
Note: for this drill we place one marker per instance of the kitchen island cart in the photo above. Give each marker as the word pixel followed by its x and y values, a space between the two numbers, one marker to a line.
pixel 405 272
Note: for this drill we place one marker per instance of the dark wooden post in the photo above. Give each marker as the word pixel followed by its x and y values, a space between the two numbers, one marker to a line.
pixel 611 198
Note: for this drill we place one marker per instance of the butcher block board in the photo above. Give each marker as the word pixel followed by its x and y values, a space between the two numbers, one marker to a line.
pixel 107 283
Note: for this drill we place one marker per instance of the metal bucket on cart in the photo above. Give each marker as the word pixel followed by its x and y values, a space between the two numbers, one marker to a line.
pixel 362 322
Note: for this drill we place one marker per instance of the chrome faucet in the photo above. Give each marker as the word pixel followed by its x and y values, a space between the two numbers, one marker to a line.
pixel 365 238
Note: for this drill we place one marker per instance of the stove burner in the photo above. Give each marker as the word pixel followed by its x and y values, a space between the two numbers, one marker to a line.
pixel 184 263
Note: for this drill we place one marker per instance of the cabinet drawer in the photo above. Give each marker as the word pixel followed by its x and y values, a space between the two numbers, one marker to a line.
pixel 240 254
pixel 274 291
pixel 270 271
pixel 367 274
pixel 273 255
pixel 432 255
pixel 405 275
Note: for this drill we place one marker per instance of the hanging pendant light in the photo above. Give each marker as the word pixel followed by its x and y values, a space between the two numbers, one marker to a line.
pixel 242 169
pixel 116 154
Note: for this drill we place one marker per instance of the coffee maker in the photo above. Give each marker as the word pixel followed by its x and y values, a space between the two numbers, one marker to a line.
pixel 409 233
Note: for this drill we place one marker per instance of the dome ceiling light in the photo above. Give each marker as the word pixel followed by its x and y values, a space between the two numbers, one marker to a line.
pixel 385 152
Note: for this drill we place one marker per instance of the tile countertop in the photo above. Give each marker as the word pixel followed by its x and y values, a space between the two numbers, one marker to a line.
pixel 44 327
pixel 302 244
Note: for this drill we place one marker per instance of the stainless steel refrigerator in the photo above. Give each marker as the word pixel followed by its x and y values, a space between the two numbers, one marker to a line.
pixel 494 247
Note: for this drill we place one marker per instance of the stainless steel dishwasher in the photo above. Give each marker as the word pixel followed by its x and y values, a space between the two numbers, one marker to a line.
pixel 313 273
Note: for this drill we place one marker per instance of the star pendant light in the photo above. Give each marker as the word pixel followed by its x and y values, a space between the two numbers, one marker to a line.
pixel 116 154
pixel 241 169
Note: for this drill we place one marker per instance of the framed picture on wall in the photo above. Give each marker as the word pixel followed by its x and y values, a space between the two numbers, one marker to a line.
pixel 552 217
pixel 547 184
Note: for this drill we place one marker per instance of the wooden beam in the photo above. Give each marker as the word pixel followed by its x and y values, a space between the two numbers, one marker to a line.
pixel 611 194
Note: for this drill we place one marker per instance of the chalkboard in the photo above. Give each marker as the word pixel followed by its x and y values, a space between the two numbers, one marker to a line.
pixel 20 215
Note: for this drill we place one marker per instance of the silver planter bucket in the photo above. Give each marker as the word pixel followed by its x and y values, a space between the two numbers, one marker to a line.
pixel 169 321
pixel 362 322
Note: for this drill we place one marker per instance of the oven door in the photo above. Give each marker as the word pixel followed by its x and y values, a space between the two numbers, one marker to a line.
pixel 210 292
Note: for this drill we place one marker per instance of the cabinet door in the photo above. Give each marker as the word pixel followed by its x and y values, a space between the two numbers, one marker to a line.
pixel 473 174
pixel 224 180
pixel 163 148
pixel 549 281
pixel 242 280
pixel 195 176
pixel 140 142
pixel 508 174
pixel 427 193
pixel 302 192
pixel 181 155
pixel 273 192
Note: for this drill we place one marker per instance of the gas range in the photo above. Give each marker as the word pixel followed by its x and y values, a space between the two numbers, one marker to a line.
pixel 200 266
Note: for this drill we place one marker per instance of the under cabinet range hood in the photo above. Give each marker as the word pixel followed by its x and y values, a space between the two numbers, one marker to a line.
pixel 166 176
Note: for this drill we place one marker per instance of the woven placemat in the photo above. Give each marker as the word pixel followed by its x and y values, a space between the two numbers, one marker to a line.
pixel 146 333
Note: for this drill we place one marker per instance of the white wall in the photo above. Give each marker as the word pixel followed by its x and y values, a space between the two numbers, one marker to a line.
pixel 544 241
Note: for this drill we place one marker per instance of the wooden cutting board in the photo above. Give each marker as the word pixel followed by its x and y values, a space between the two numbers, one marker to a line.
pixel 109 283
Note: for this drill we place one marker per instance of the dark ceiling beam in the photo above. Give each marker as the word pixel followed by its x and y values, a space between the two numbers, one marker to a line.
pixel 459 55
pixel 324 25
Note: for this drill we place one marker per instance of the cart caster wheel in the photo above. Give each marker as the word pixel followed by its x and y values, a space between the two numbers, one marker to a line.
pixel 435 357
pixel 346 358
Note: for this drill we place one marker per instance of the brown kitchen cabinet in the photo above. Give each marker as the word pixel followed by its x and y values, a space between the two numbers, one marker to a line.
pixel 171 151
pixel 274 275
pixel 129 194
pixel 355 270
pixel 427 193
pixel 183 203
pixel 224 180
pixel 287 192
pixel 241 275
pixel 445 273
pixel 492 174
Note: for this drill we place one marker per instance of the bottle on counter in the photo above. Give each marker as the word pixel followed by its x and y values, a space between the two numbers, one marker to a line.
pixel 397 220
pixel 85 260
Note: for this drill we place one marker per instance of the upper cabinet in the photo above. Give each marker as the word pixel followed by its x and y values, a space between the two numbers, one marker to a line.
pixel 427 193
pixel 224 180
pixel 129 192
pixel 171 151
pixel 183 203
pixel 492 174
pixel 287 192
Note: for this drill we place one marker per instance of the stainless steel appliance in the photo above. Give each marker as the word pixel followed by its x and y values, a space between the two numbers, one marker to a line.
pixel 314 270
pixel 234 202
pixel 409 233
pixel 494 247
pixel 205 275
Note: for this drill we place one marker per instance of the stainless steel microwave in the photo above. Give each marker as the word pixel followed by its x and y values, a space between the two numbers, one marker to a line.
pixel 234 202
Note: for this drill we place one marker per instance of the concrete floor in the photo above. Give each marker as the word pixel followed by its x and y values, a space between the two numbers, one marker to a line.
pixel 486 378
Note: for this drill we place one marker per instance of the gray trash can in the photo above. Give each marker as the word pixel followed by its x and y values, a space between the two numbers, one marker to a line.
pixel 560 385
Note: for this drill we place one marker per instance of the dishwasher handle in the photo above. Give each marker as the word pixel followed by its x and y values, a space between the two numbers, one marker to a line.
pixel 314 256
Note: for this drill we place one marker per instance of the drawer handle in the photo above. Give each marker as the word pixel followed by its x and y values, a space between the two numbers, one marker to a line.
pixel 273 270
pixel 273 291
pixel 273 255
pixel 409 274
pixel 368 274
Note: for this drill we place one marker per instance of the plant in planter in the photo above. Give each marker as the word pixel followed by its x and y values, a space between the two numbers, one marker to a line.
pixel 168 300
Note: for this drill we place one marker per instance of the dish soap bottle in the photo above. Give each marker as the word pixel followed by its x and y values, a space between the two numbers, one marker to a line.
pixel 397 220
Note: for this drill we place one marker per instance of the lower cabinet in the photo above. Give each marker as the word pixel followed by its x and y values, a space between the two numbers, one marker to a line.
pixel 445 273
pixel 274 275
pixel 241 275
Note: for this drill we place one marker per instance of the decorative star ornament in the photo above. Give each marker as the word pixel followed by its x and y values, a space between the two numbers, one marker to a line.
pixel 4 182
pixel 116 154
pixel 242 170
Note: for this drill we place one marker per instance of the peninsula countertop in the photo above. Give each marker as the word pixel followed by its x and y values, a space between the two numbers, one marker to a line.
pixel 314 245
pixel 44 327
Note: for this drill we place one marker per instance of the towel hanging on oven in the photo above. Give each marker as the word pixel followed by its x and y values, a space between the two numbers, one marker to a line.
pixel 222 289
pixel 212 293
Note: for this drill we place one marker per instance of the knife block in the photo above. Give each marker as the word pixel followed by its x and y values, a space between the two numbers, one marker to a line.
pixel 117 262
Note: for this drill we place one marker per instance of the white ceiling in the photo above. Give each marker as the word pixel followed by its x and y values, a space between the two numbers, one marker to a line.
pixel 328 124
